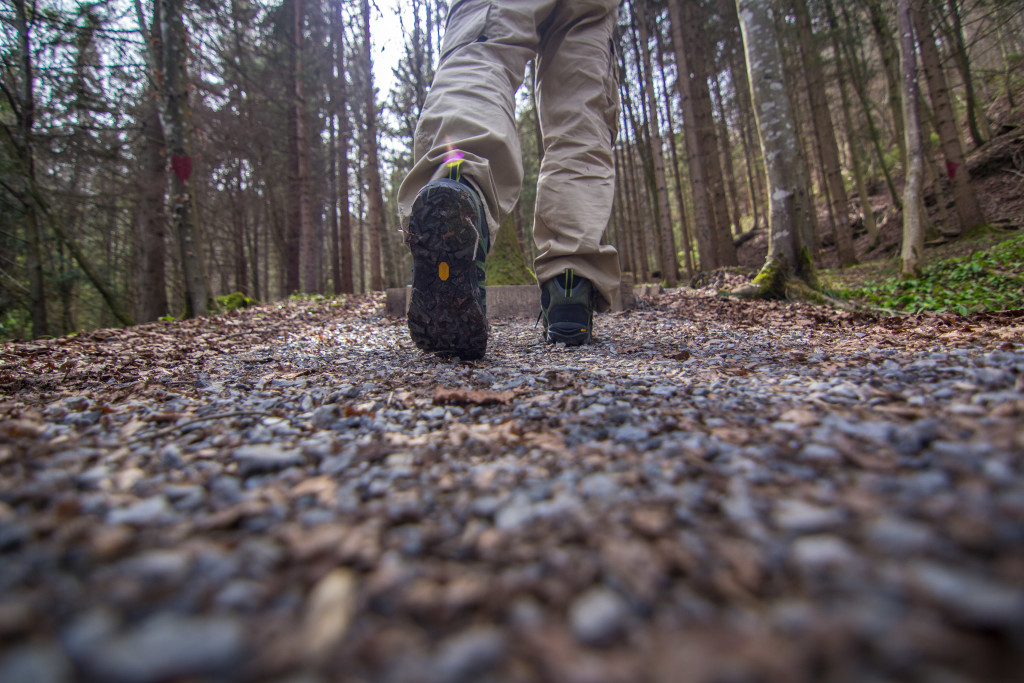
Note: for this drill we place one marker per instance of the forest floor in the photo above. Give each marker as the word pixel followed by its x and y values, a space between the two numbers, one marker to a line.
pixel 713 490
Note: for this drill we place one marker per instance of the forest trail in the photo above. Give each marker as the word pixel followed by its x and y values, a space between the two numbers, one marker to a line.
pixel 714 490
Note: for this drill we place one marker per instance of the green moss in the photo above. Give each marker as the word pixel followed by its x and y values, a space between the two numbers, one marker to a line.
pixel 233 301
pixel 506 264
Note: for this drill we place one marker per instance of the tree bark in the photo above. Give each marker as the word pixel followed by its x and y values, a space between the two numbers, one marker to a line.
pixel 696 41
pixel 825 137
pixel 704 221
pixel 669 261
pixel 887 48
pixel 790 229
pixel 856 160
pixel 375 197
pixel 684 219
pixel 150 253
pixel 25 150
pixel 913 227
pixel 968 208
pixel 300 209
pixel 177 134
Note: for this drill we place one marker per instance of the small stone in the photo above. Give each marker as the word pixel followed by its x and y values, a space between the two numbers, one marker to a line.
pixel 816 452
pixel 35 663
pixel 898 536
pixel 264 459
pixel 974 599
pixel 164 565
pixel 598 615
pixel 822 551
pixel 800 517
pixel 324 417
pixel 630 434
pixel 470 654
pixel 164 646
pixel 155 510
pixel 598 485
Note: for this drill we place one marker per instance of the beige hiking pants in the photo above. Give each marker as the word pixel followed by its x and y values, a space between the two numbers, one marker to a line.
pixel 470 109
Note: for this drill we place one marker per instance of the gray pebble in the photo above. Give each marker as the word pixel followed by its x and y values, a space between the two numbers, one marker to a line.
pixel 155 510
pixel 163 647
pixel 598 616
pixel 467 655
pixel 822 551
pixel 800 517
pixel 265 458
pixel 35 663
pixel 974 599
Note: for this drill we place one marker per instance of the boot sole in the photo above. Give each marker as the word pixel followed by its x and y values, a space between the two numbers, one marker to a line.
pixel 445 316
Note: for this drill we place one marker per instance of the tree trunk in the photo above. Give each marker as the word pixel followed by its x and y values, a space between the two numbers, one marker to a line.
pixel 913 227
pixel 703 213
pixel 346 282
pixel 891 68
pixel 684 219
pixel 968 208
pixel 977 123
pixel 375 197
pixel 725 149
pixel 25 149
pixel 175 121
pixel 789 241
pixel 151 224
pixel 859 82
pixel 300 209
pixel 824 134
pixel 697 42
pixel 669 261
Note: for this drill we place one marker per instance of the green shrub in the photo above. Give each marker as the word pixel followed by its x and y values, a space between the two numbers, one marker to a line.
pixel 991 280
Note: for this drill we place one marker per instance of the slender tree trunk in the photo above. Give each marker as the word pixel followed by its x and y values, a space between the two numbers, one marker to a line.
pixel 725 149
pixel 977 122
pixel 741 86
pixel 891 68
pixel 856 160
pixel 26 150
pixel 913 226
pixel 684 219
pixel 375 197
pixel 697 43
pixel 790 227
pixel 968 208
pixel 824 134
pixel 704 220
pixel 669 261
pixel 151 225
pixel 346 283
pixel 300 201
pixel 859 82
pixel 175 120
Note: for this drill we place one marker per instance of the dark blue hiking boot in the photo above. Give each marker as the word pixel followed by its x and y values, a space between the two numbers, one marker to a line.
pixel 566 304
pixel 449 240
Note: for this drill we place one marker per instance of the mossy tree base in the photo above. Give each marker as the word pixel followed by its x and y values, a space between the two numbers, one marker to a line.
pixel 777 280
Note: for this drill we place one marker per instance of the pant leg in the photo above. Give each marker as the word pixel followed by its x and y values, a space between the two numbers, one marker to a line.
pixel 578 103
pixel 471 104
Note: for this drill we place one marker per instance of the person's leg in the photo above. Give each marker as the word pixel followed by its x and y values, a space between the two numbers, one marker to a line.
pixel 469 112
pixel 578 104
pixel 467 172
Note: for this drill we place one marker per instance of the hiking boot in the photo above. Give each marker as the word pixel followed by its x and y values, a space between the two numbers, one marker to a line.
pixel 567 309
pixel 449 240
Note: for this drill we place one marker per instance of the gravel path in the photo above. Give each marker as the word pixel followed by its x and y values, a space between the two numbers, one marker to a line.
pixel 713 491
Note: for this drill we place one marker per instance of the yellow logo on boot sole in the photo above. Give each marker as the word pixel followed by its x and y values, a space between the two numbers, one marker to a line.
pixel 442 271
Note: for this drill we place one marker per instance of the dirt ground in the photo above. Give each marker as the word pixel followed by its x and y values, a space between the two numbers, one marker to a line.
pixel 714 490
